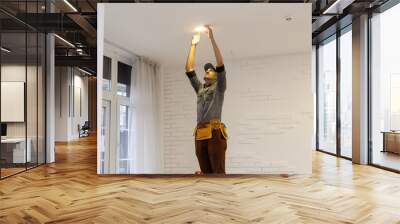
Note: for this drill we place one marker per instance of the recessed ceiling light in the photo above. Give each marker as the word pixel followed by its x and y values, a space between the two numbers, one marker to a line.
pixel 5 50
pixel 288 18
pixel 337 7
pixel 84 71
pixel 70 5
pixel 64 40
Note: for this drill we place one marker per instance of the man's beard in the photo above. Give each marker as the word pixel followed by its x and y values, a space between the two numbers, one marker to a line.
pixel 209 81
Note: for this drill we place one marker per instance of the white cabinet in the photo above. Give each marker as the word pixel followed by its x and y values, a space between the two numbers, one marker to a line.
pixel 19 155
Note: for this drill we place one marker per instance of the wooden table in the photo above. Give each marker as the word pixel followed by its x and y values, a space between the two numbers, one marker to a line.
pixel 391 141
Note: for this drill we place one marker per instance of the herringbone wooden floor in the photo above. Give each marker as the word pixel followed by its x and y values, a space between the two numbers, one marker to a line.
pixel 69 191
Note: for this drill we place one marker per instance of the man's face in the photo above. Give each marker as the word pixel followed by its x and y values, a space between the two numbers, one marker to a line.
pixel 210 76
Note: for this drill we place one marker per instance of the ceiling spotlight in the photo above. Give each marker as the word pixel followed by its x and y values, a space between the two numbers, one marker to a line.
pixel 5 50
pixel 64 40
pixel 84 71
pixel 337 6
pixel 200 29
pixel 288 18
pixel 70 5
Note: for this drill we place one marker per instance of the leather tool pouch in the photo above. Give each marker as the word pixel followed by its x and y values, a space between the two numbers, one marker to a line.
pixel 224 131
pixel 203 133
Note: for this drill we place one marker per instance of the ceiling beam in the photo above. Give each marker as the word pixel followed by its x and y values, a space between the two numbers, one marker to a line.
pixel 337 6
pixel 81 61
pixel 84 24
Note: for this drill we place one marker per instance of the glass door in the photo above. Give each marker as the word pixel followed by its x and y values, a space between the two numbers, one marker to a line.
pixel 327 96
pixel 22 77
pixel 16 151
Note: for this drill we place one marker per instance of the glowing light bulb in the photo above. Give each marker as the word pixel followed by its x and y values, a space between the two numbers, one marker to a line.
pixel 200 29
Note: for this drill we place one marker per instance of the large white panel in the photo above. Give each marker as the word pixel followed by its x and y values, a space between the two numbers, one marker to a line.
pixel 12 101
pixel 268 104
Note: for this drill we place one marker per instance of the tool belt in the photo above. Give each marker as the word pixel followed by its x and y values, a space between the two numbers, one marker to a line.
pixel 204 130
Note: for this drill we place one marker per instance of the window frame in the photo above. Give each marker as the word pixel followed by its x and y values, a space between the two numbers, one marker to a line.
pixel 111 159
pixel 381 9
pixel 334 37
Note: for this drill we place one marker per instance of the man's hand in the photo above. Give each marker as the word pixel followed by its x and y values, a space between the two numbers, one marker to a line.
pixel 195 38
pixel 209 31
pixel 217 53
pixel 190 59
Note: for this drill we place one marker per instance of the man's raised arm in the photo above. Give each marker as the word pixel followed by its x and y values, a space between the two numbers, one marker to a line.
pixel 192 51
pixel 217 52
pixel 220 68
pixel 191 74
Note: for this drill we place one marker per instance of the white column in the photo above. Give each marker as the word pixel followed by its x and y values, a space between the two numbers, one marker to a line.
pixel 360 90
pixel 50 99
pixel 100 53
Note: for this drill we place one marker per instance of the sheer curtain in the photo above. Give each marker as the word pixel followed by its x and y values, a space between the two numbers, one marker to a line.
pixel 145 120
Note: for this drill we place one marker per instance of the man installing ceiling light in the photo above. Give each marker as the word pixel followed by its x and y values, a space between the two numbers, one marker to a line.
pixel 210 133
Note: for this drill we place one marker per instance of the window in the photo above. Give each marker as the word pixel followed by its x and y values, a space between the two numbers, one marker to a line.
pixel 124 79
pixel 394 101
pixel 105 133
pixel 124 161
pixel 334 106
pixel 106 73
pixel 346 93
pixel 117 115
pixel 385 89
pixel 327 96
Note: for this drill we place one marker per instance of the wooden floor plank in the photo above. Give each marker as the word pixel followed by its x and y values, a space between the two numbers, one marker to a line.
pixel 70 191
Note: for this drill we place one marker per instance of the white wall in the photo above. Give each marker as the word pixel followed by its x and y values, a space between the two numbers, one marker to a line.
pixel 68 81
pixel 79 117
pixel 268 110
pixel 12 73
pixel 61 104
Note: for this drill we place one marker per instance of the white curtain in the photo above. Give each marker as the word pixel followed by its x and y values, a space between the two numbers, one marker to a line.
pixel 145 137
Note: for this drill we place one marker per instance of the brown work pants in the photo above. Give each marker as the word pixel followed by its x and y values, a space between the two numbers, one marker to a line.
pixel 211 153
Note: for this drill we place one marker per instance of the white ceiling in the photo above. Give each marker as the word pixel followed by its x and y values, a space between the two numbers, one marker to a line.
pixel 163 32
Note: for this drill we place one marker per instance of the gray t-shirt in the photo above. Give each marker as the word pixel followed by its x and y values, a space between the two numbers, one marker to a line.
pixel 209 98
